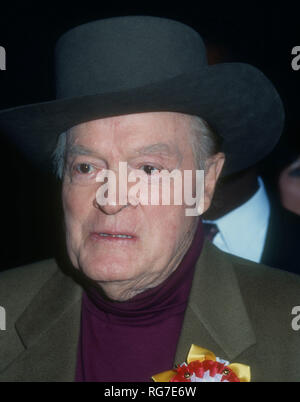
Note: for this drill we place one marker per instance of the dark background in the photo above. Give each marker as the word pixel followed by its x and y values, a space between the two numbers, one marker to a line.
pixel 262 34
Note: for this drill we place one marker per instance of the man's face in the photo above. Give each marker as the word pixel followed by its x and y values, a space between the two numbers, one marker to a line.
pixel 157 235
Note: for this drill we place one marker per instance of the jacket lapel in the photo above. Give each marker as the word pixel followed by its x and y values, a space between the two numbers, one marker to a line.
pixel 49 332
pixel 216 317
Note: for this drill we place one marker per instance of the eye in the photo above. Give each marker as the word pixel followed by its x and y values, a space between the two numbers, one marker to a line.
pixel 83 168
pixel 149 169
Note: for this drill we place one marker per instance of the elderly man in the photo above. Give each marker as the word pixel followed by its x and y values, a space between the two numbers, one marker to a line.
pixel 141 285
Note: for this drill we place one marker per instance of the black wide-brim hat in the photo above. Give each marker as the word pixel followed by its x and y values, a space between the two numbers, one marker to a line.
pixel 138 64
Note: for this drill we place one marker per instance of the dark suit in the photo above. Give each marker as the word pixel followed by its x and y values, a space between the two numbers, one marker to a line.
pixel 239 310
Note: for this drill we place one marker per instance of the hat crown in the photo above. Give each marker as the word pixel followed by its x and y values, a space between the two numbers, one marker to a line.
pixel 124 52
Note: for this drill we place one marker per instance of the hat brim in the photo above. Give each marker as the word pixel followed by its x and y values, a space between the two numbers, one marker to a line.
pixel 236 99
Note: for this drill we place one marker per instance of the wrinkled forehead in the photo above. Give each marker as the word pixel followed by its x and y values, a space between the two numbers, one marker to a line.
pixel 164 132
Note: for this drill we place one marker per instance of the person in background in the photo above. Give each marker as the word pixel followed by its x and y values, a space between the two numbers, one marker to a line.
pixel 246 217
pixel 289 187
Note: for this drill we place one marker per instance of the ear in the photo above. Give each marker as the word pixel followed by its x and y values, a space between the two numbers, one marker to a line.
pixel 214 166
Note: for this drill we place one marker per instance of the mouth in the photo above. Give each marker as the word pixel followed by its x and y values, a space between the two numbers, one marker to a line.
pixel 113 236
pixel 119 236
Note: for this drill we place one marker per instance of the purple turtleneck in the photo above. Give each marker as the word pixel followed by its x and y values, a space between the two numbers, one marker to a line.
pixel 133 340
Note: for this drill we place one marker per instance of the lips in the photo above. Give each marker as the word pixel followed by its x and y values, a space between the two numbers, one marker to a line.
pixel 115 236
pixel 119 236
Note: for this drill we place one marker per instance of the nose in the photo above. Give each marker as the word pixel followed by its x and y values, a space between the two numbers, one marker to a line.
pixel 111 196
pixel 108 209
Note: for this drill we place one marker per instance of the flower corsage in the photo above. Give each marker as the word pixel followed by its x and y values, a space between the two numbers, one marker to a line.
pixel 203 366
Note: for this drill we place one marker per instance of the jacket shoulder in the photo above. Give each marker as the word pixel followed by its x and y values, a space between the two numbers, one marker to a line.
pixel 268 278
pixel 269 294
pixel 19 285
pixel 266 291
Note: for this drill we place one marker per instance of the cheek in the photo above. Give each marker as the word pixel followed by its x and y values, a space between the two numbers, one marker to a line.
pixel 75 205
pixel 166 224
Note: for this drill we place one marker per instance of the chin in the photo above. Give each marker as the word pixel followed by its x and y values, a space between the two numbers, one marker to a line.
pixel 107 270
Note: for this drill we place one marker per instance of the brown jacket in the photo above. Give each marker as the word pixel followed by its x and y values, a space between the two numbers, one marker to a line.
pixel 240 310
